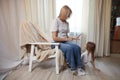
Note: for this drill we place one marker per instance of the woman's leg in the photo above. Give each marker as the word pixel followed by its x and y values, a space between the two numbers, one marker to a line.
pixel 68 54
pixel 77 54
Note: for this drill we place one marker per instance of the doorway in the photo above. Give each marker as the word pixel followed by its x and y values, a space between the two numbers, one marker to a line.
pixel 115 27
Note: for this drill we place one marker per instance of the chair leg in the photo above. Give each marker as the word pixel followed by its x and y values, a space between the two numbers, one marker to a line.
pixel 31 58
pixel 57 60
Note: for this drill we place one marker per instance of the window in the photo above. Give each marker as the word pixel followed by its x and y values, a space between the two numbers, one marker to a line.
pixel 76 17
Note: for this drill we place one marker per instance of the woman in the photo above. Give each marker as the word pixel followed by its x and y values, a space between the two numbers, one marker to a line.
pixel 71 51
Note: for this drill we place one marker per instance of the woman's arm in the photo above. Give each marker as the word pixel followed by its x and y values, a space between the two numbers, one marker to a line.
pixel 57 39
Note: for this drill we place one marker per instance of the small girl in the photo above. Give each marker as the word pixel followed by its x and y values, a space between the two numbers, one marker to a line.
pixel 88 56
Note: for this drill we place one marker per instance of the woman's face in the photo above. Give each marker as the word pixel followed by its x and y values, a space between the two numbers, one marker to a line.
pixel 65 17
pixel 64 14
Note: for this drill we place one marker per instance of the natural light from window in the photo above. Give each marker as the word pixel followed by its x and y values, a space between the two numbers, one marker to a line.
pixel 76 17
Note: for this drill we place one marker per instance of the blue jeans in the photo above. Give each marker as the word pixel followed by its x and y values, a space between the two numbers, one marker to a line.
pixel 72 54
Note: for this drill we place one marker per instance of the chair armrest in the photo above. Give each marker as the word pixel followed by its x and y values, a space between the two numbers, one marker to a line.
pixel 44 43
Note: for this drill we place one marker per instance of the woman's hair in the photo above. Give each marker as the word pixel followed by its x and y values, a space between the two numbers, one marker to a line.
pixel 65 12
pixel 91 48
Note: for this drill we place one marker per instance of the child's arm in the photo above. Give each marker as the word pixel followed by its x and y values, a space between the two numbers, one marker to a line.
pixel 93 64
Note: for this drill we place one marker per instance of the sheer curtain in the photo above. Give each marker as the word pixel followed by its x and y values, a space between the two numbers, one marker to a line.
pixel 10 16
pixel 40 12
pixel 99 26
pixel 84 24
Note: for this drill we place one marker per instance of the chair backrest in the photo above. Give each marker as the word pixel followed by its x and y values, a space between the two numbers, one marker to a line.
pixel 30 33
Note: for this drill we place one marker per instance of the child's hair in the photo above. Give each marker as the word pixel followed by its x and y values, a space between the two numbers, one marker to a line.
pixel 91 48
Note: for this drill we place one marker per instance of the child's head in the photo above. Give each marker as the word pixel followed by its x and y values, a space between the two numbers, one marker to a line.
pixel 90 46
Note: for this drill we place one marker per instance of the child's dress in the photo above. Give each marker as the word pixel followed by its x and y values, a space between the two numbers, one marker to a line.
pixel 86 58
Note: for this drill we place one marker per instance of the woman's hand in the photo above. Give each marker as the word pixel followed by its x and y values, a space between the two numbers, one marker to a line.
pixel 69 39
pixel 72 38
pixel 76 38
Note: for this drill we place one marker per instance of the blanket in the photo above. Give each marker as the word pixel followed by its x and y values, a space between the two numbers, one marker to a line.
pixel 30 33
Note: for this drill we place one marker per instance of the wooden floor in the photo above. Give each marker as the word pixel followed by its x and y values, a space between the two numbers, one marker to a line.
pixel 109 66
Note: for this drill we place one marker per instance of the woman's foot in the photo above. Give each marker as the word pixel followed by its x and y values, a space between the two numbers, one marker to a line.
pixel 68 65
pixel 74 72
pixel 81 72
